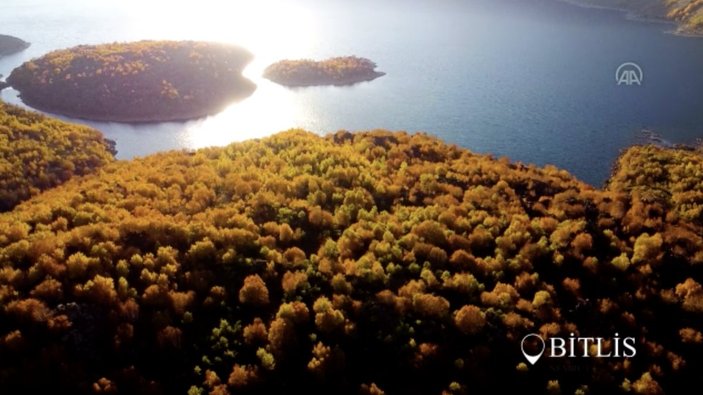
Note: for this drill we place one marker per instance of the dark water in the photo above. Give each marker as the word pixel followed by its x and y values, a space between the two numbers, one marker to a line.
pixel 533 80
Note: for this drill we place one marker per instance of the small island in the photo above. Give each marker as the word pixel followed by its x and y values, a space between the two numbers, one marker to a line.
pixel 145 81
pixel 10 45
pixel 345 70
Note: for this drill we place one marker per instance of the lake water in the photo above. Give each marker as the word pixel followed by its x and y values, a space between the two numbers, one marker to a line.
pixel 533 80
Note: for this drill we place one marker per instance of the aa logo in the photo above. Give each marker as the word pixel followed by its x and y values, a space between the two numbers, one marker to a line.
pixel 629 74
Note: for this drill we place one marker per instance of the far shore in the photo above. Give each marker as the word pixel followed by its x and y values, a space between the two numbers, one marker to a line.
pixel 678 30
pixel 10 45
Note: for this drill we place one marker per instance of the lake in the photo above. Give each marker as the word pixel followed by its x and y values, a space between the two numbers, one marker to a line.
pixel 533 80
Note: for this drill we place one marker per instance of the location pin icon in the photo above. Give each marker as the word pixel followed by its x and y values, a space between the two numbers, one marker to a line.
pixel 532 359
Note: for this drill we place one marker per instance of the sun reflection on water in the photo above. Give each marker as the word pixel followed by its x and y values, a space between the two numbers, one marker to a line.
pixel 273 110
pixel 270 29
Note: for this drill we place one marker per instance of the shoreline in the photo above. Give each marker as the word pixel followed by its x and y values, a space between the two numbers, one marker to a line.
pixel 193 115
pixel 684 33
pixel 346 82
pixel 626 11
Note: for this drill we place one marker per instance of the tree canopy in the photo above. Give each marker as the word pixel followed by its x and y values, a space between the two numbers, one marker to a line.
pixel 371 263
pixel 38 153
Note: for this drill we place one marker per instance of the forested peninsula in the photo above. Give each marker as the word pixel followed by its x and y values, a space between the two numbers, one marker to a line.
pixel 145 81
pixel 373 262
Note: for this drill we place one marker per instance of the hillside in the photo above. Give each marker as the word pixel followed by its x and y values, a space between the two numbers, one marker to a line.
pixel 669 177
pixel 689 13
pixel 365 263
pixel 38 153
pixel 145 81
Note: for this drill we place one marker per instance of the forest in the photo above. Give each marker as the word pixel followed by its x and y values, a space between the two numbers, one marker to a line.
pixel 356 263
pixel 145 81
pixel 345 70
pixel 688 12
pixel 38 153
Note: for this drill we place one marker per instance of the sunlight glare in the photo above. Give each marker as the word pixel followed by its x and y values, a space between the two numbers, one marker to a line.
pixel 256 117
pixel 270 29
pixel 265 27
